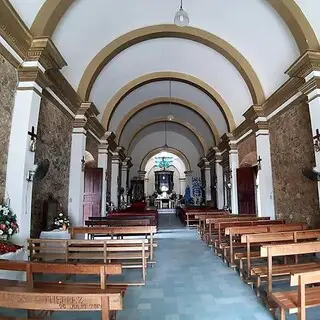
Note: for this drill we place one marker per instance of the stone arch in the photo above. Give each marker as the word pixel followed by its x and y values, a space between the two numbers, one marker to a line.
pixel 168 75
pixel 52 12
pixel 183 123
pixel 174 151
pixel 249 160
pixel 162 100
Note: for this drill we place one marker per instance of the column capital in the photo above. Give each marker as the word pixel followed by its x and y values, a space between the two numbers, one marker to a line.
pixel 121 153
pixel 82 115
pixel 44 54
pixel 32 77
pixel 305 64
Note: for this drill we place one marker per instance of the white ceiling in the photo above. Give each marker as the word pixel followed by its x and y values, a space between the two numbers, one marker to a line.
pixel 161 89
pixel 252 27
pixel 162 111
pixel 152 137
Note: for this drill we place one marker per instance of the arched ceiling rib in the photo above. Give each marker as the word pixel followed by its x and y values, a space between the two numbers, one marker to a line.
pixel 181 91
pixel 158 76
pixel 170 31
pixel 174 151
pixel 162 101
pixel 179 137
pixel 164 120
pixel 49 16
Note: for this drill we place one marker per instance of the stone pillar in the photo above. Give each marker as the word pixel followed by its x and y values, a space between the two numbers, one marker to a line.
pixel 20 158
pixel 207 173
pixel 219 185
pixel 76 175
pixel 182 185
pixel 146 181
pixel 188 175
pixel 103 158
pixel 115 177
pixel 234 164
pixel 265 198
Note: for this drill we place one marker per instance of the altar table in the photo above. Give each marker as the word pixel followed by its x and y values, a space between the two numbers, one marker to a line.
pixel 20 254
pixel 55 234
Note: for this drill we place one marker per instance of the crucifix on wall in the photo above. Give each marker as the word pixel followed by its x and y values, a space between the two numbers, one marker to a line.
pixel 33 139
pixel 316 142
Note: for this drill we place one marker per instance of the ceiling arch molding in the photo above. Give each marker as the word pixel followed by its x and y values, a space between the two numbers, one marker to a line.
pixel 181 122
pixel 52 12
pixel 164 31
pixel 169 75
pixel 163 100
pixel 174 151
pixel 49 17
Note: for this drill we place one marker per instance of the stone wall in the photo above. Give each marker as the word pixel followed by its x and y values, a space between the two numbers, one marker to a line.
pixel 247 151
pixel 8 84
pixel 291 150
pixel 54 143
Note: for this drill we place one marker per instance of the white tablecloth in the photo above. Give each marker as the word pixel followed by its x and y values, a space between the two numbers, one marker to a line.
pixel 55 234
pixel 20 254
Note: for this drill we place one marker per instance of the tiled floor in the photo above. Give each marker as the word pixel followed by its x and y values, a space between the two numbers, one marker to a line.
pixel 188 282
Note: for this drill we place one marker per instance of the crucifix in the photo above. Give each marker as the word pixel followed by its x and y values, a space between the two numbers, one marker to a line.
pixel 317 141
pixel 33 137
pixel 259 163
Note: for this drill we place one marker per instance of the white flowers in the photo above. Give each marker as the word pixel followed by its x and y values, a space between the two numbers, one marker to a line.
pixel 10 231
pixel 1 232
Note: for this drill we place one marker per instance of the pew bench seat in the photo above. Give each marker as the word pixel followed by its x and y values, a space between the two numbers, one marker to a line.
pixel 18 295
pixel 289 301
pixel 261 272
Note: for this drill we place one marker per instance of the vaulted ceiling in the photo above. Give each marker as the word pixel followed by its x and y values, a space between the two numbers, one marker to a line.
pixel 122 55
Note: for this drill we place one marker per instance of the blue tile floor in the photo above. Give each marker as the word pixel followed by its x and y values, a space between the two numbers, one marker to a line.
pixel 188 282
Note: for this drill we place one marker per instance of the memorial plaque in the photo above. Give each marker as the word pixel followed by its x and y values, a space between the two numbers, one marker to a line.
pixel 55 302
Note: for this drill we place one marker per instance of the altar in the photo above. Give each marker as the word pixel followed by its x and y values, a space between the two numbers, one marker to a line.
pixel 165 204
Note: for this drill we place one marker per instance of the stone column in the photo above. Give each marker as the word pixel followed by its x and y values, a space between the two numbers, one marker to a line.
pixel 188 175
pixel 265 196
pixel 182 185
pixel 20 158
pixel 207 173
pixel 146 181
pixel 234 164
pixel 115 177
pixel 219 185
pixel 103 158
pixel 76 175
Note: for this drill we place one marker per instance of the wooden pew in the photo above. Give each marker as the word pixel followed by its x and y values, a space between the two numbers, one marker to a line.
pixel 202 222
pixel 283 250
pixel 92 232
pixel 133 250
pixel 211 222
pixel 120 222
pixel 191 215
pixel 232 232
pixel 221 226
pixel 60 296
pixel 300 299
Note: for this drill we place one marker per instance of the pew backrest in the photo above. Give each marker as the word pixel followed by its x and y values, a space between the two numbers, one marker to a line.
pixel 236 218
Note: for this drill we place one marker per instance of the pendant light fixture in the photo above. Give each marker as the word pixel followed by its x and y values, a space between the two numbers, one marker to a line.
pixel 181 18
pixel 170 115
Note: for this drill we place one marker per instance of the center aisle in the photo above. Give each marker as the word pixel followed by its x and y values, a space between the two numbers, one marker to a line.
pixel 189 283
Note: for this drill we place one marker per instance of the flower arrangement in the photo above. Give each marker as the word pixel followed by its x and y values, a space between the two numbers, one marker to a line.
pixel 8 221
pixel 61 221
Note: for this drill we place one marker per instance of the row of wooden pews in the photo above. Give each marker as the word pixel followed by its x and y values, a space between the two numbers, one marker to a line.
pixel 265 251
pixel 104 247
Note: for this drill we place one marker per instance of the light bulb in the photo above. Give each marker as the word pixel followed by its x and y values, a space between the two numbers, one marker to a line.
pixel 170 117
pixel 181 18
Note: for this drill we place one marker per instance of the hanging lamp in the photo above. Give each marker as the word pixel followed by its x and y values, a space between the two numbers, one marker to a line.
pixel 181 19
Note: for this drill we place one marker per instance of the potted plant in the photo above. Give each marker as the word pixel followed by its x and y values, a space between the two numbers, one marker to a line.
pixel 61 222
pixel 8 221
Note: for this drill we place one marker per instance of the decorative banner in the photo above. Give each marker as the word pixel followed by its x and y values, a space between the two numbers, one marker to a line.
pixel 196 187
pixel 163 162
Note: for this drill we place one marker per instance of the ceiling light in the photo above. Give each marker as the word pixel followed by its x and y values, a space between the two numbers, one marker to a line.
pixel 181 18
